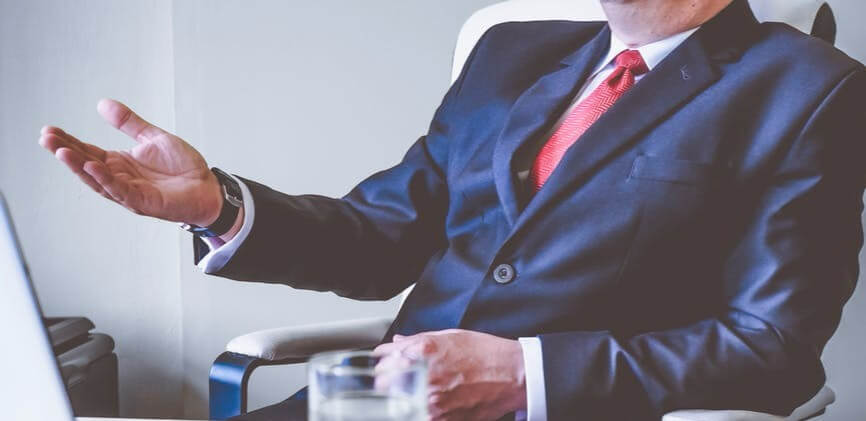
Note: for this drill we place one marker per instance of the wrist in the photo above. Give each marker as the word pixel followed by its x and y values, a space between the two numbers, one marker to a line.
pixel 518 375
pixel 211 202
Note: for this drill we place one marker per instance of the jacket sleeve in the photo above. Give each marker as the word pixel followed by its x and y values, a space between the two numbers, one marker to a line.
pixel 370 244
pixel 785 284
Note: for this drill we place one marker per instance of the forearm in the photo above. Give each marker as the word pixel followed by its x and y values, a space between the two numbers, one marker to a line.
pixel 371 244
pixel 319 243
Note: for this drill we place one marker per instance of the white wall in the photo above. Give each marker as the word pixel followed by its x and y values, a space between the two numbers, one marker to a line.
pixel 257 81
pixel 305 96
pixel 846 367
pixel 88 256
pixel 252 84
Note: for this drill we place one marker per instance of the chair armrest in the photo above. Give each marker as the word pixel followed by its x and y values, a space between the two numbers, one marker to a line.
pixel 814 407
pixel 301 342
pixel 231 371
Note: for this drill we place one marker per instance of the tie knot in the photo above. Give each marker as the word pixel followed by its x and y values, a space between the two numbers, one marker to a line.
pixel 632 60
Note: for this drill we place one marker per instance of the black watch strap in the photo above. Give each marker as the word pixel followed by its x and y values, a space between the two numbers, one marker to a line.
pixel 233 201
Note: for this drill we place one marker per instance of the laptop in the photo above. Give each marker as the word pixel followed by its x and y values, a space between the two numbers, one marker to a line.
pixel 31 387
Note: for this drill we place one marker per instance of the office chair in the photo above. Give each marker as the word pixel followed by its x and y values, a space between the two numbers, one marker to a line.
pixel 231 371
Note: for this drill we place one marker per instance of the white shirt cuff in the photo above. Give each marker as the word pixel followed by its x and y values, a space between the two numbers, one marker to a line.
pixel 221 253
pixel 536 396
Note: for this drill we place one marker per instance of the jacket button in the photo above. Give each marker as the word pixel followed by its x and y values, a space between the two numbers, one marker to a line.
pixel 503 274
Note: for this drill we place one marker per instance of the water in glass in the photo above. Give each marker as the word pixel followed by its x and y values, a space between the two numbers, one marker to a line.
pixel 360 386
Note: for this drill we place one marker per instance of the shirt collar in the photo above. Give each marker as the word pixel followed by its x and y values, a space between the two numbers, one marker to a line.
pixel 653 53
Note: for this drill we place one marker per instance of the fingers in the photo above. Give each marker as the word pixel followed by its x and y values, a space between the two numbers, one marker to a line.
pixel 125 120
pixel 54 138
pixel 481 413
pixel 88 162
pixel 75 162
pixel 116 187
pixel 393 359
pixel 459 415
pixel 391 348
pixel 391 370
pixel 97 176
pixel 445 406
pixel 74 154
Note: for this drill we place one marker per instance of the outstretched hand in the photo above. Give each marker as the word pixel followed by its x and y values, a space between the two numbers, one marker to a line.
pixel 162 176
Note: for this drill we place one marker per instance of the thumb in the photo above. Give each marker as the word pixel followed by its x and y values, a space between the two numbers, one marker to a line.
pixel 124 119
pixel 398 338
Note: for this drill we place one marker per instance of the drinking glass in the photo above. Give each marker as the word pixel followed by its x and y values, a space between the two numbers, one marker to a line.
pixel 360 386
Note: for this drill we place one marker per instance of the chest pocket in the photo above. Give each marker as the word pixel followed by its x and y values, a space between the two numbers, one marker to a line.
pixel 676 171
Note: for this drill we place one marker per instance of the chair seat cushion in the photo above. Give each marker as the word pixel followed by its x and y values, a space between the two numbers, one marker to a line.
pixel 814 407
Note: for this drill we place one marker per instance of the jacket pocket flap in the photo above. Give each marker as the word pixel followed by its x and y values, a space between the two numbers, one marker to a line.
pixel 671 170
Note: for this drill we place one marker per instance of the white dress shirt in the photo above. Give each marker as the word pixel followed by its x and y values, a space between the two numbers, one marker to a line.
pixel 536 408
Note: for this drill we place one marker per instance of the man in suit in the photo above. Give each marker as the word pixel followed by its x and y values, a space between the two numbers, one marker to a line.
pixel 605 221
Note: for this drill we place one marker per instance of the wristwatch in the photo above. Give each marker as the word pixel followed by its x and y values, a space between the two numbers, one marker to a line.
pixel 233 201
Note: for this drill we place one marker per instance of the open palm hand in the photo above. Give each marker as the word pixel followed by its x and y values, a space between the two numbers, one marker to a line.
pixel 161 176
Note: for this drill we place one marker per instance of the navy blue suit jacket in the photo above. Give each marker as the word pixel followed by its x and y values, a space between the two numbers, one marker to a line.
pixel 693 250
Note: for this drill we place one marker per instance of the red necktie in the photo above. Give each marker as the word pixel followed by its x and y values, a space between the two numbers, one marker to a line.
pixel 629 65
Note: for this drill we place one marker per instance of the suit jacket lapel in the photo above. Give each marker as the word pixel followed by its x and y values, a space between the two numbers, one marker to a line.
pixel 537 109
pixel 688 70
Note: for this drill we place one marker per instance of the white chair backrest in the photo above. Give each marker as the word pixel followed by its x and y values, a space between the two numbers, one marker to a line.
pixel 797 13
